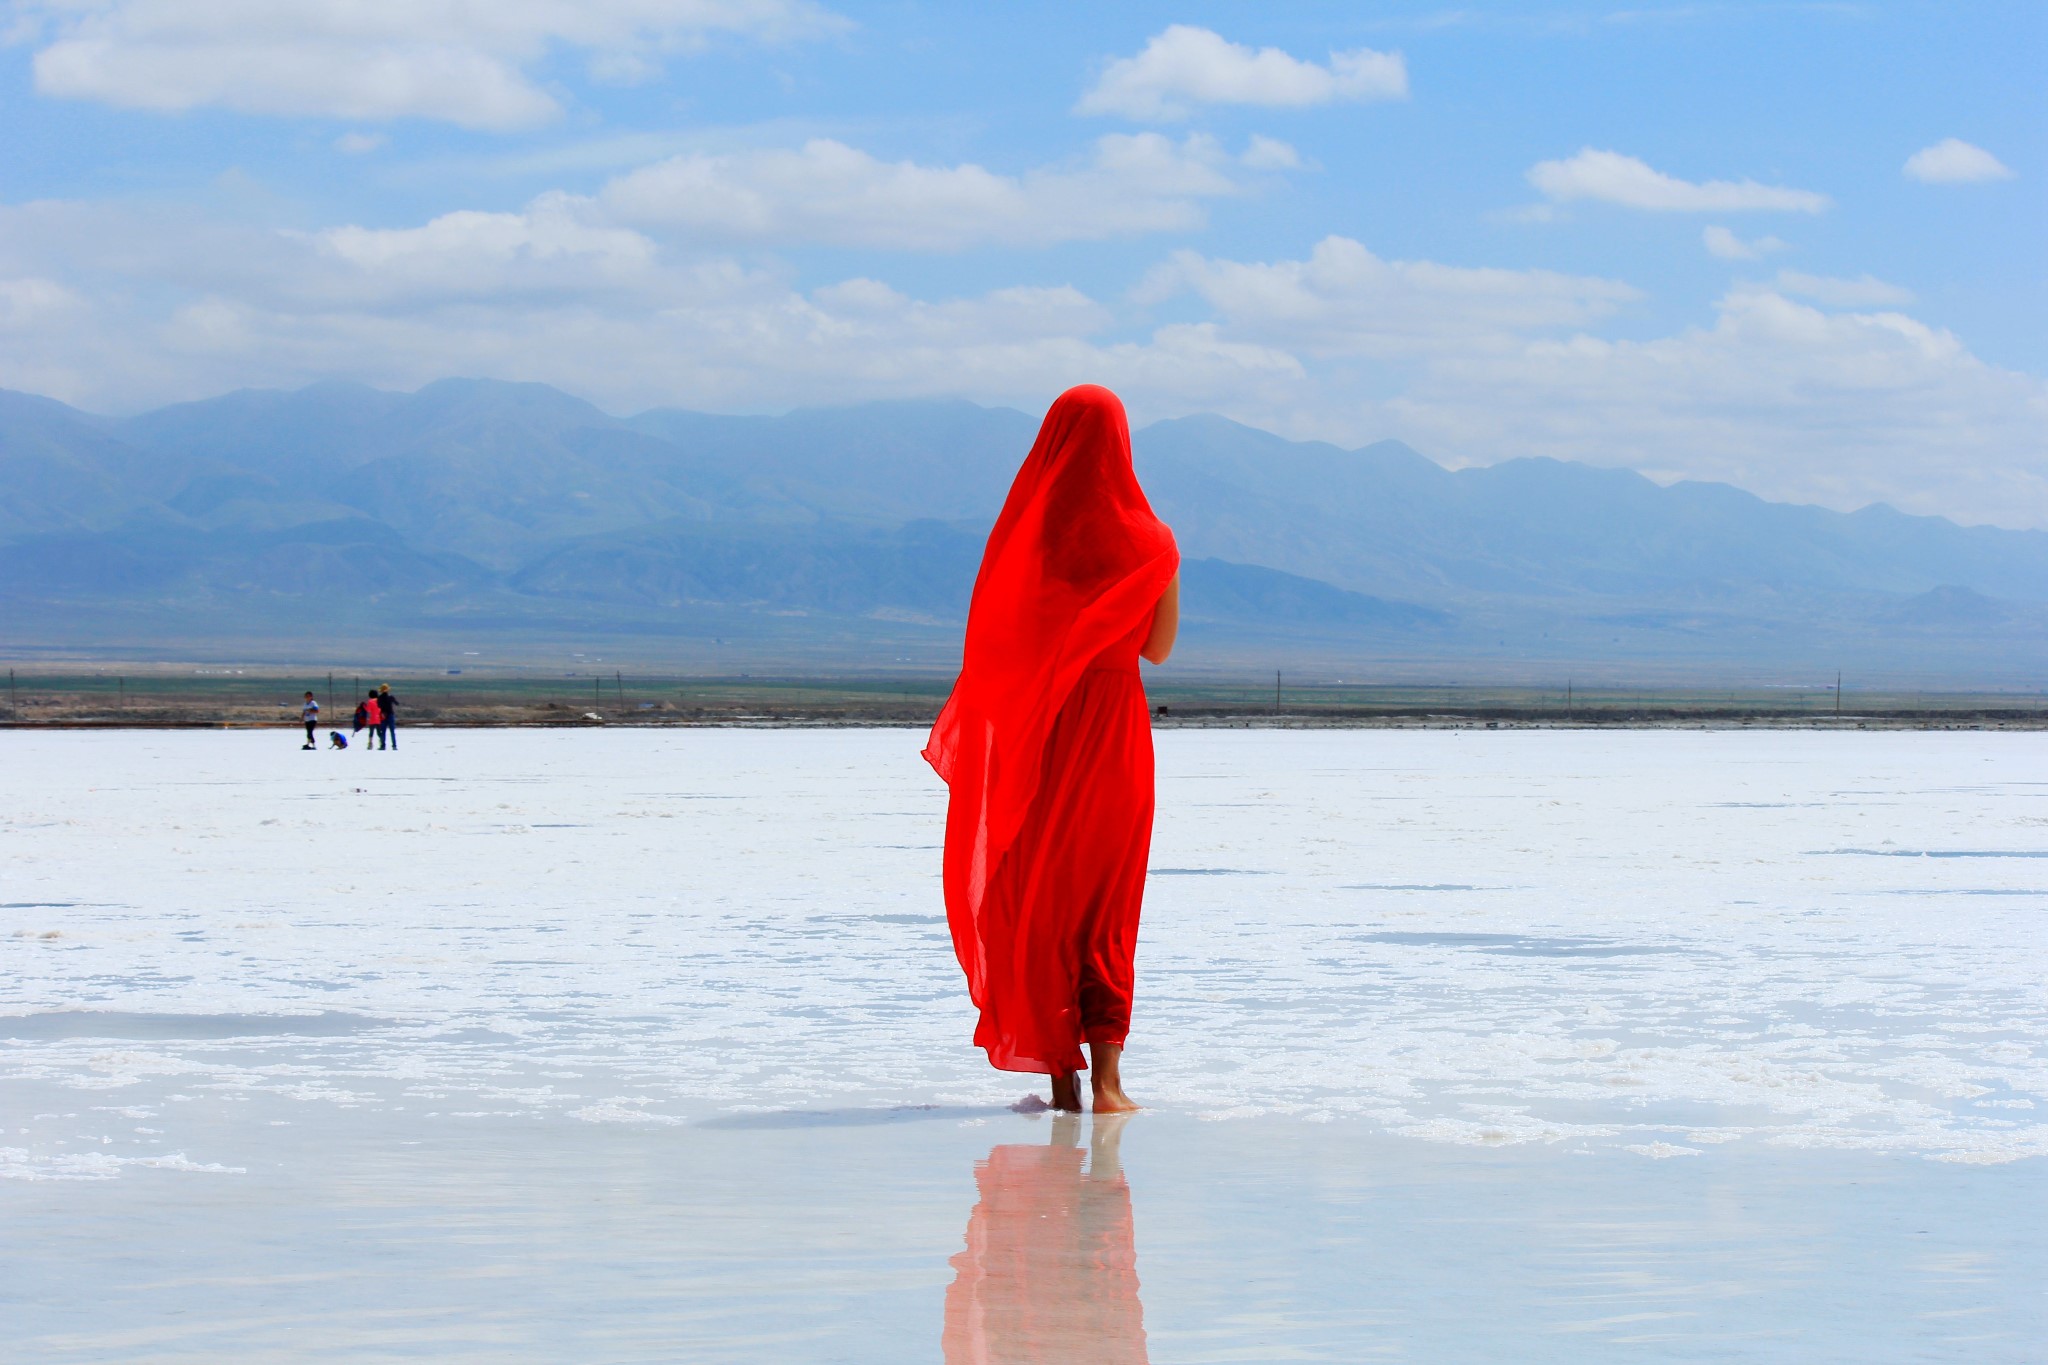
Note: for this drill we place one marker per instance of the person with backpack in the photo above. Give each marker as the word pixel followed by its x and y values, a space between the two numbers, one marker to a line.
pixel 369 716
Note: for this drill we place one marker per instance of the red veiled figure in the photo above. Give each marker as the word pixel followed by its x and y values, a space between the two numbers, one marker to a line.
pixel 1046 746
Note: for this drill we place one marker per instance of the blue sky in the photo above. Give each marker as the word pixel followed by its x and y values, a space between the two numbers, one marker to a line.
pixel 1797 247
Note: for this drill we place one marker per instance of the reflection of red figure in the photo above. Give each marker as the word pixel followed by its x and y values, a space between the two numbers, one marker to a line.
pixel 1050 1273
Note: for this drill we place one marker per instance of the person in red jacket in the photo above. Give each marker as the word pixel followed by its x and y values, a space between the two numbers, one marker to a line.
pixel 370 716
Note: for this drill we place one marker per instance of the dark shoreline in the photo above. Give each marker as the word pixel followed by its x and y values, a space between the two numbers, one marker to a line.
pixel 177 698
pixel 836 718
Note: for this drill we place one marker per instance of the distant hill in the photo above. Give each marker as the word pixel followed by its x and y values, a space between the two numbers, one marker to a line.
pixel 340 518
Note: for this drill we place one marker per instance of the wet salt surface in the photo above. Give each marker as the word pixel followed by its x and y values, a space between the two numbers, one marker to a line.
pixel 847 1239
pixel 114 1024
pixel 1581 1016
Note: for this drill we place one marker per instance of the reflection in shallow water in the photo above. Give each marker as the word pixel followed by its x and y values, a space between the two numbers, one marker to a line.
pixel 1050 1273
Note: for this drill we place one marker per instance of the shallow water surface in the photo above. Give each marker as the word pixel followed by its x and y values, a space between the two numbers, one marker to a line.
pixel 961 1236
pixel 650 1045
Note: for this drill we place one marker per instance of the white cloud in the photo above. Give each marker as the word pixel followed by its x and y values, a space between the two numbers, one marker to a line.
pixel 1344 300
pixel 1185 66
pixel 452 60
pixel 1863 292
pixel 359 144
pixel 827 191
pixel 555 243
pixel 1728 247
pixel 1270 154
pixel 1019 314
pixel 29 301
pixel 1841 409
pixel 1953 161
pixel 1613 178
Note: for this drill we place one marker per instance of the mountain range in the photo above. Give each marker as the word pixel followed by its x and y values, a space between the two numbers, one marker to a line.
pixel 516 521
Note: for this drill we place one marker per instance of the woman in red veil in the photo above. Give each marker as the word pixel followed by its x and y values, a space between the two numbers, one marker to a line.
pixel 1046 746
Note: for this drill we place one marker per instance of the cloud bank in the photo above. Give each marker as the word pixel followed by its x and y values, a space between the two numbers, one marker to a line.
pixel 1805 387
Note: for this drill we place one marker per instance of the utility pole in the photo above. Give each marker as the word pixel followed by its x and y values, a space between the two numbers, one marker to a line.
pixel 620 678
pixel 1567 698
pixel 330 694
pixel 596 690
pixel 10 687
pixel 1838 694
pixel 121 684
pixel 1276 691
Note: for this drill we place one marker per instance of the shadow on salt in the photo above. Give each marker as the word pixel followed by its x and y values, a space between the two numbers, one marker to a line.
pixel 1518 944
pixel 855 1118
pixel 1418 886
pixel 1928 853
pixel 1948 891
pixel 117 1024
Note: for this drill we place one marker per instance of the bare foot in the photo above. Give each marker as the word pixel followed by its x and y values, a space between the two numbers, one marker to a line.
pixel 1066 1092
pixel 1112 1100
pixel 1107 1079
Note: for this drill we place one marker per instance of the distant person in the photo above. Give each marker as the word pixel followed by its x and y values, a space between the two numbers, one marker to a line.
pixel 388 706
pixel 373 718
pixel 1046 745
pixel 309 712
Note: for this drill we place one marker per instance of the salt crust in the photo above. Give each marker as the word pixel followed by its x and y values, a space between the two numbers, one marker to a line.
pixel 1625 940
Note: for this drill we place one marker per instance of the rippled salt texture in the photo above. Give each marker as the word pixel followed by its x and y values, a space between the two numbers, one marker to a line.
pixel 1639 945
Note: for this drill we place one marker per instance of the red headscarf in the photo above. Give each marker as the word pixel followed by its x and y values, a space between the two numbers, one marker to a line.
pixel 1076 562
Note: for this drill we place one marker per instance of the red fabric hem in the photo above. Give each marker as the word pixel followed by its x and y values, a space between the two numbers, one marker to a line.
pixel 1032 1066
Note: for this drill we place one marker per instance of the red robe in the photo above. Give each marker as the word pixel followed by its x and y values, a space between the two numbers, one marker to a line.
pixel 1046 745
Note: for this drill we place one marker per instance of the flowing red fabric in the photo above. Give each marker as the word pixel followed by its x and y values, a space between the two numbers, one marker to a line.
pixel 1046 745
